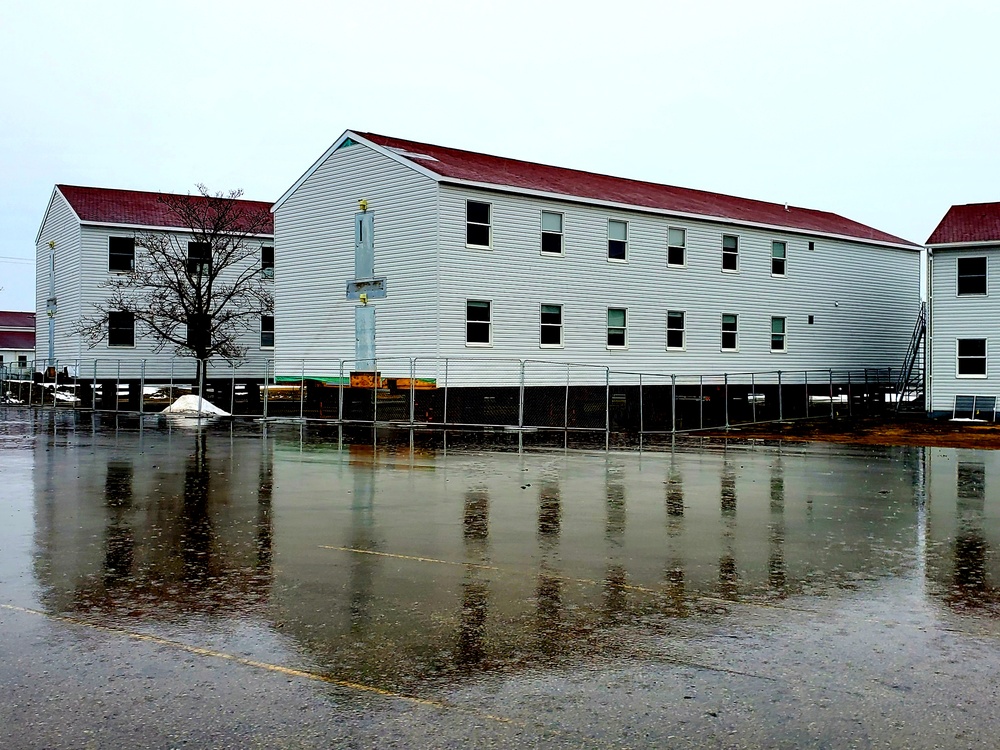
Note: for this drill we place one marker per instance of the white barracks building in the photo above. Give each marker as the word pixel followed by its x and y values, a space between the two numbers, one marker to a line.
pixel 477 258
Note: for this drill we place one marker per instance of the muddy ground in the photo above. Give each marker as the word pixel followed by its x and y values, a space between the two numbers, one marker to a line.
pixel 900 431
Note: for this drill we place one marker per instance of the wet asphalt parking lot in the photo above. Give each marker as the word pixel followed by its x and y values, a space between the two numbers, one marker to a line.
pixel 169 584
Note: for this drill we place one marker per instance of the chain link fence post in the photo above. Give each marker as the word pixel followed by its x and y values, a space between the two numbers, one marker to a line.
pixel 607 408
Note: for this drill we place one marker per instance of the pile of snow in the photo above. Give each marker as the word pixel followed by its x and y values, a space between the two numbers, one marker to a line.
pixel 189 405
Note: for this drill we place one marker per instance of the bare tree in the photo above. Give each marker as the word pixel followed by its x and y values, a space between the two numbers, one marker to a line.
pixel 196 290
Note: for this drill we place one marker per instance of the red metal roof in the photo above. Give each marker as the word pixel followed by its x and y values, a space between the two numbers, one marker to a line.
pixel 10 319
pixel 135 207
pixel 973 222
pixel 22 340
pixel 495 170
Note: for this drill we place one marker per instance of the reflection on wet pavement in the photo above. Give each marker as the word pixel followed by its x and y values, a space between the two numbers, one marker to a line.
pixel 401 568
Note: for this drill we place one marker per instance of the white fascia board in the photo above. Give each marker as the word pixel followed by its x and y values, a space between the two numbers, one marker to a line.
pixel 153 228
pixel 985 244
pixel 336 144
pixel 664 212
pixel 48 208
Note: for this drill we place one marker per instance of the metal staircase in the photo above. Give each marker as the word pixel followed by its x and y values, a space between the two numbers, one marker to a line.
pixel 910 384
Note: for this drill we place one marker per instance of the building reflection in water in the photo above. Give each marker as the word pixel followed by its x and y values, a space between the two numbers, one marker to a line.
pixel 197 535
pixel 776 573
pixel 675 589
pixel 475 586
pixel 728 573
pixel 549 586
pixel 119 541
pixel 616 576
pixel 476 571
pixel 184 526
pixel 970 582
pixel 362 537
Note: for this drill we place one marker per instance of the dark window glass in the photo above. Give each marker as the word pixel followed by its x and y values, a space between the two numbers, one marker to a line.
pixel 121 328
pixel 121 254
pixel 730 252
pixel 199 258
pixel 676 241
pixel 972 276
pixel 199 333
pixel 777 334
pixel 477 322
pixel 778 258
pixel 617 240
pixel 617 326
pixel 551 325
pixel 267 331
pixel 675 329
pixel 477 226
pixel 267 261
pixel 972 356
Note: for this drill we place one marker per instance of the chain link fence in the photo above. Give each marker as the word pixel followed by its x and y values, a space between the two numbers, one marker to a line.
pixel 513 395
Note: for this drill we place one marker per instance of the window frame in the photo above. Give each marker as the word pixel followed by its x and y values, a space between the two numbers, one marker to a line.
pixel 488 224
pixel 623 328
pixel 265 265
pixel 542 326
pixel 561 234
pixel 984 357
pixel 985 276
pixel 488 322
pixel 682 329
pixel 783 259
pixel 734 253
pixel 112 253
pixel 112 328
pixel 624 258
pixel 682 247
pixel 735 332
pixel 264 331
pixel 783 334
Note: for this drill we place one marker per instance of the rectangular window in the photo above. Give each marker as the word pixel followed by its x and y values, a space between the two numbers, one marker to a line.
pixel 779 258
pixel 478 322
pixel 267 261
pixel 199 331
pixel 22 360
pixel 617 240
pixel 550 331
pixel 266 331
pixel 971 358
pixel 675 329
pixel 778 342
pixel 552 233
pixel 675 246
pixel 121 254
pixel 971 276
pixel 730 332
pixel 199 258
pixel 478 230
pixel 730 252
pixel 617 327
pixel 121 328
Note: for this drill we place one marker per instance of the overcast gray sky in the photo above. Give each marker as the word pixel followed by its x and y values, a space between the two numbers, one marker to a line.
pixel 885 112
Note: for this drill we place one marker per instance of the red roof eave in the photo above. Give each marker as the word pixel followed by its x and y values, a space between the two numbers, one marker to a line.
pixel 483 170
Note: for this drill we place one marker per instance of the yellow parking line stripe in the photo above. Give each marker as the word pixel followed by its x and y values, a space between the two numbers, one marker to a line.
pixel 288 671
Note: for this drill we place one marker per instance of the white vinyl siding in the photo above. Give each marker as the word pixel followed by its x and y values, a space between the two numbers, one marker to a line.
pixel 861 322
pixel 314 252
pixel 954 317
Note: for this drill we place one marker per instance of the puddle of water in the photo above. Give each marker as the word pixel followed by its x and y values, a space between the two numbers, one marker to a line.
pixel 391 566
